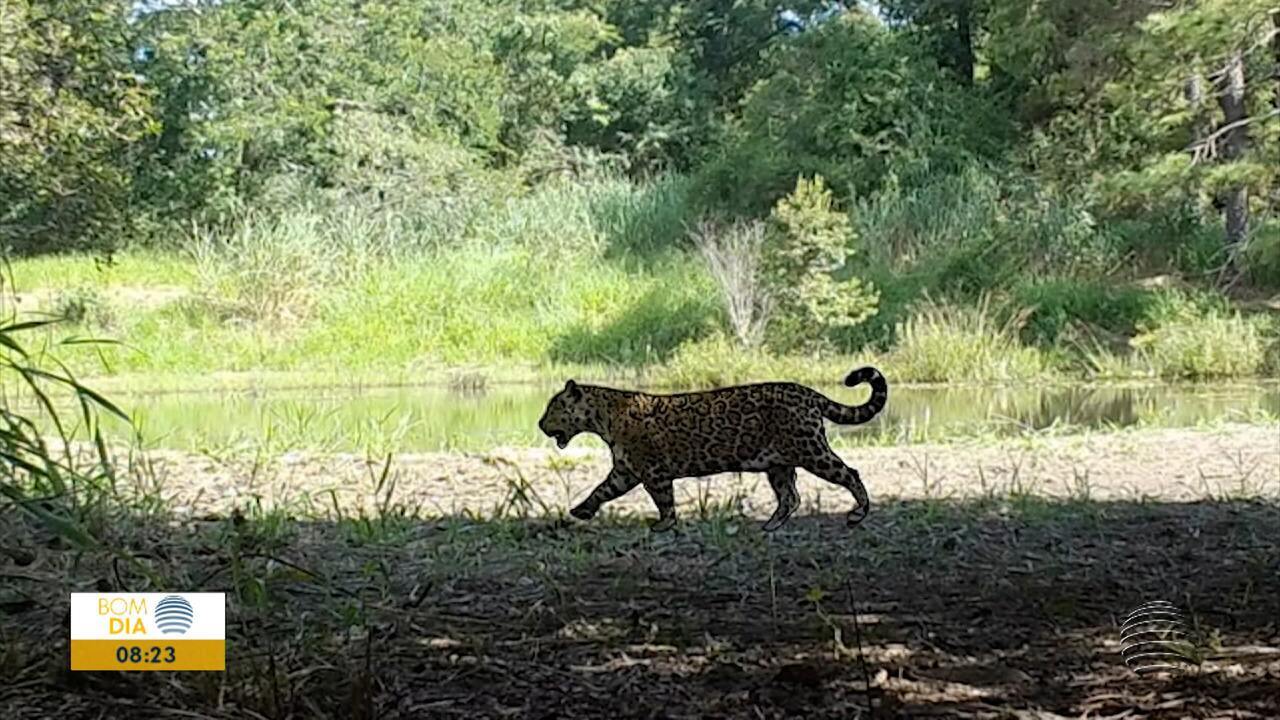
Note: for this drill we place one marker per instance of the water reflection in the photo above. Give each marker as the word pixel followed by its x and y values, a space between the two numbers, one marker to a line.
pixel 436 418
pixel 941 412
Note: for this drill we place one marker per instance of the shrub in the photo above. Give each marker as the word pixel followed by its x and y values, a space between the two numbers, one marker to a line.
pixel 1262 255
pixel 733 257
pixel 82 305
pixel 963 234
pixel 1174 235
pixel 713 362
pixel 1054 304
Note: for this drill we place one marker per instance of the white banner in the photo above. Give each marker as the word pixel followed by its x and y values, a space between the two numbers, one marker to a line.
pixel 148 616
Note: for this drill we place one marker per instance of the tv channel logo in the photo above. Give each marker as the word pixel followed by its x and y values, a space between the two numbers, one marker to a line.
pixel 148 631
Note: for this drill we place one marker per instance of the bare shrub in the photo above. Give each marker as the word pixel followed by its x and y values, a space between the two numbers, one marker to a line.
pixel 733 255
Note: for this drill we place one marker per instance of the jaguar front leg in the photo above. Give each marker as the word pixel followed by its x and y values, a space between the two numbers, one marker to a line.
pixel 614 486
pixel 664 499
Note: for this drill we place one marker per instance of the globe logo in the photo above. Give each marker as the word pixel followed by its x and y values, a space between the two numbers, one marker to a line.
pixel 1154 638
pixel 174 615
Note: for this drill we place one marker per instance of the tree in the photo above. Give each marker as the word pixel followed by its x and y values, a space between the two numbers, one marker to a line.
pixel 1275 57
pixel 255 89
pixel 626 105
pixel 1180 116
pixel 72 113
pixel 857 103
pixel 1229 42
pixel 948 26
pixel 1235 143
pixel 1045 58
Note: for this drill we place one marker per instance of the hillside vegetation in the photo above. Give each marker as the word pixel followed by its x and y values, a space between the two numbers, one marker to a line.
pixel 976 190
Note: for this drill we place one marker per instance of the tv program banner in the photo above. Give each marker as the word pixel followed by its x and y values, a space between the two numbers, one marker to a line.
pixel 148 631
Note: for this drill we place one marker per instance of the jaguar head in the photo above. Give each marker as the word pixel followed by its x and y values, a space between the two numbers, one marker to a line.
pixel 566 415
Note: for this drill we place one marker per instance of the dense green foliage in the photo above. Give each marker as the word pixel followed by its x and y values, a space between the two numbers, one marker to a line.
pixel 73 118
pixel 506 157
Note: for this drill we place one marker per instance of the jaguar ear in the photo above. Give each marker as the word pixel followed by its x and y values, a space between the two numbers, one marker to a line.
pixel 572 389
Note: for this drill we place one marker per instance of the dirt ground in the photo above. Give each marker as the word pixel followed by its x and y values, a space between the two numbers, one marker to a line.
pixel 1166 464
pixel 988 582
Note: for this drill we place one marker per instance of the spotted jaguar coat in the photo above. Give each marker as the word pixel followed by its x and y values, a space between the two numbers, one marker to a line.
pixel 772 428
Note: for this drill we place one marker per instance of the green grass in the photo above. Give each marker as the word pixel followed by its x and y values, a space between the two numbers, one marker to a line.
pixel 515 315
pixel 535 281
pixel 942 343
pixel 136 268
pixel 593 278
pixel 716 360
pixel 1207 347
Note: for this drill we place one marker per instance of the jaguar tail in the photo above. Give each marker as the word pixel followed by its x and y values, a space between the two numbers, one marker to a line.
pixel 858 414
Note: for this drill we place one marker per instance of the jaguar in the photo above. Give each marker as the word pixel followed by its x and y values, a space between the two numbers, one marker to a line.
pixel 772 428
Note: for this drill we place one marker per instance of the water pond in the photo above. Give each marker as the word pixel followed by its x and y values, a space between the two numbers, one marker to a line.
pixel 436 418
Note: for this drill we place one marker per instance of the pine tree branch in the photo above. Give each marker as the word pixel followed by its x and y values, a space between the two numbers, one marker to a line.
pixel 1266 38
pixel 1207 148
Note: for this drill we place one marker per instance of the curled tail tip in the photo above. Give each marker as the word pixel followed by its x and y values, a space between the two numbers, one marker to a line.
pixel 858 414
pixel 861 375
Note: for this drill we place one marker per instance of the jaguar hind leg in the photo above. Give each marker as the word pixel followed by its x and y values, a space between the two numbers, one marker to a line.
pixel 831 468
pixel 783 482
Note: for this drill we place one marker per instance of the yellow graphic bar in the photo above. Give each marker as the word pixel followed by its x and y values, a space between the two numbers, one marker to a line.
pixel 149 655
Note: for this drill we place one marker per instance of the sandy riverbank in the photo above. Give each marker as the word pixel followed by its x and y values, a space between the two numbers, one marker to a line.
pixel 1165 464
